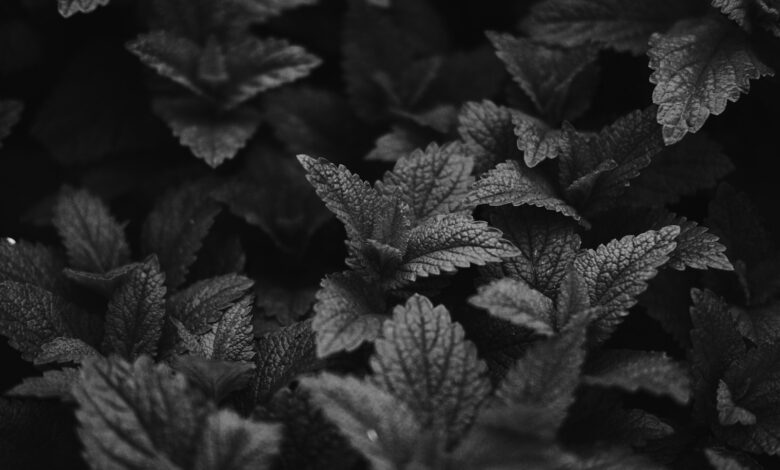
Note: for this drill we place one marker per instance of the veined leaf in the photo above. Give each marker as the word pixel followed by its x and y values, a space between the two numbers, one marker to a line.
pixel 516 301
pixel 30 263
pixel 487 131
pixel 68 8
pixel 201 304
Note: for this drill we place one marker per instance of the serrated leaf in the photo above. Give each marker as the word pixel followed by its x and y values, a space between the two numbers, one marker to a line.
pixel 63 350
pixel 69 8
pixel 548 244
pixel 230 442
pixel 698 67
pixel 596 170
pixel 176 227
pixel 376 423
pixel 30 263
pixel 345 194
pixel 536 139
pixel 431 181
pixel 618 272
pixel 729 413
pixel 516 301
pixel 348 312
pixel 681 169
pixel 102 283
pixel 10 113
pixel 52 384
pixel 136 313
pixel 623 25
pixel 213 135
pixel 487 131
pixel 94 240
pixel 215 378
pixel 31 317
pixel 509 183
pixel 447 242
pixel 560 82
pixel 230 338
pixel 535 395
pixel 696 248
pixel 281 356
pixel 649 371
pixel 137 415
pixel 749 14
pixel 573 298
pixel 202 303
pixel 424 360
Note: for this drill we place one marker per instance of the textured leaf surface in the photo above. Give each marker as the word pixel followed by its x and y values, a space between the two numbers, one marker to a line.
pixel 94 240
pixel 71 7
pixel 377 424
pixel 698 67
pixel 136 313
pixel 31 317
pixel 697 248
pixel 487 131
pixel 138 415
pixel 424 360
pixel 281 356
pixel 344 193
pixel 728 412
pixel 176 227
pixel 63 350
pixel 536 139
pixel 30 263
pixel 516 301
pixel 618 272
pixel 548 244
pixel 348 312
pixel 538 390
pixel 52 384
pixel 623 25
pixel 446 243
pixel 509 183
pixel 230 442
pixel 431 181
pixel 212 135
pixel 650 371
pixel 230 338
pixel 201 304
pixel 560 82
pixel 215 378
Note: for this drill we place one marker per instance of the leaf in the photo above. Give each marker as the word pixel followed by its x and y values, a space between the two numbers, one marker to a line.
pixel 176 227
pixel 649 371
pixel 348 312
pixel 509 183
pixel 536 139
pixel 52 384
pixel 69 8
pixel 487 131
pixel 281 356
pixel 345 194
pixel 431 181
pixel 447 242
pixel 202 303
pixel 94 240
pixel 10 113
pixel 608 161
pixel 694 163
pixel 377 424
pixel 516 301
pixel 29 263
pixel 424 360
pixel 31 317
pixel 102 283
pixel 230 442
pixel 537 392
pixel 572 300
pixel 727 459
pixel 618 272
pixel 229 339
pixel 262 10
pixel 137 415
pixel 697 247
pixel 548 244
pixel 623 25
pixel 729 413
pixel 136 313
pixel 64 350
pixel 560 82
pixel 217 379
pixel 697 68
pixel 213 135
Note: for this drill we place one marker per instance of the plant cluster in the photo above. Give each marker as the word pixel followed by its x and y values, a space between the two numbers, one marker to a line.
pixel 290 234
